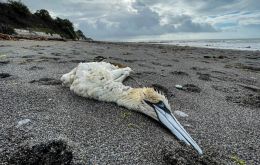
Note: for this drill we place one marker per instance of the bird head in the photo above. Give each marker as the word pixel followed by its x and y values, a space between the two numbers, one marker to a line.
pixel 155 105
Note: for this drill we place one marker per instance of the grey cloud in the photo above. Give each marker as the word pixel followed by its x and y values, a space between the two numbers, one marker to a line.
pixel 102 19
pixel 144 22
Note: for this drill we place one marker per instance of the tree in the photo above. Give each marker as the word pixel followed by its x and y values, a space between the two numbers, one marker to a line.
pixel 80 35
pixel 66 27
pixel 44 14
pixel 19 7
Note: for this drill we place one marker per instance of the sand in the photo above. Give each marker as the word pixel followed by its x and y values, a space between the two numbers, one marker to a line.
pixel 41 121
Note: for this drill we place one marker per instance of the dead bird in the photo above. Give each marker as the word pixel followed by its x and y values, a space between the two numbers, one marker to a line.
pixel 104 81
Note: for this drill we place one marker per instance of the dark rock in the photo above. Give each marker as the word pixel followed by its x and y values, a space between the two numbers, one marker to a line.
pixel 47 81
pixel 56 54
pixel 126 53
pixel 52 153
pixel 78 61
pixel 99 58
pixel 206 56
pixel 180 73
pixel 4 62
pixel 4 75
pixel 191 88
pixel 222 57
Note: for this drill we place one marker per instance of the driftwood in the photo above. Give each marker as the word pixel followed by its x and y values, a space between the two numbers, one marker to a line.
pixel 6 37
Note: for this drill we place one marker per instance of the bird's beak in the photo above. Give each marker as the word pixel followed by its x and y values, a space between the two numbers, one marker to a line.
pixel 167 119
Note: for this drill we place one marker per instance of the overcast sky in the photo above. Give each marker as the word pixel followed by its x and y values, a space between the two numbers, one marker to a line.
pixel 157 19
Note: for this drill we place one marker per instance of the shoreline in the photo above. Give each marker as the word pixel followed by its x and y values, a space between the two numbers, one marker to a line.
pixel 222 113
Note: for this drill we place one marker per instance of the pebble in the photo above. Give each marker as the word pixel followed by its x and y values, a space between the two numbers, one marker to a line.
pixel 178 86
pixel 180 113
pixel 22 122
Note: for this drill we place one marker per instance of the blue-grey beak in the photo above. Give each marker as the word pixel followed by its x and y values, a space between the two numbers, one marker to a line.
pixel 167 119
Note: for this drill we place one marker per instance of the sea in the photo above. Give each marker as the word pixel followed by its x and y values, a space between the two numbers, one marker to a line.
pixel 237 44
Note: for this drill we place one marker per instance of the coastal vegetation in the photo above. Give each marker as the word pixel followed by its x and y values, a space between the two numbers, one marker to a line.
pixel 15 14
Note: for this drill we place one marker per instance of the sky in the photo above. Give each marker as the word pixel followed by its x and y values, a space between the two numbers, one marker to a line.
pixel 137 20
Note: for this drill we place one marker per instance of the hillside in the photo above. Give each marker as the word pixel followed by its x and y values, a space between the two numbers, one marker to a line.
pixel 16 15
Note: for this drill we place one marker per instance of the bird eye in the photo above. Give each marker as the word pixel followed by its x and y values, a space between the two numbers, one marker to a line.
pixel 161 104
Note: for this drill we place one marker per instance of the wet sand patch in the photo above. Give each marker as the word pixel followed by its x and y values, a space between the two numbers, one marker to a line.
pixel 248 66
pixel 179 73
pixel 124 60
pixel 52 152
pixel 204 76
pixel 47 81
pixel 35 68
pixel 126 53
pixel 252 100
pixel 161 64
pixel 198 68
pixel 145 73
pixel 77 61
pixel 187 156
pixel 190 88
pixel 146 66
pixel 225 89
pixel 49 58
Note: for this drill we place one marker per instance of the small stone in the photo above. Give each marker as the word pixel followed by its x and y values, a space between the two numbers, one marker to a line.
pixel 180 113
pixel 178 86
pixel 22 122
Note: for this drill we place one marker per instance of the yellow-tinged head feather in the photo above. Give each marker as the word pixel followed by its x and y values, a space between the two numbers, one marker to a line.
pixel 137 99
pixel 149 94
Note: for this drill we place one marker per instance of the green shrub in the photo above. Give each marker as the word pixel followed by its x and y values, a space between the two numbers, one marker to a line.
pixel 6 29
